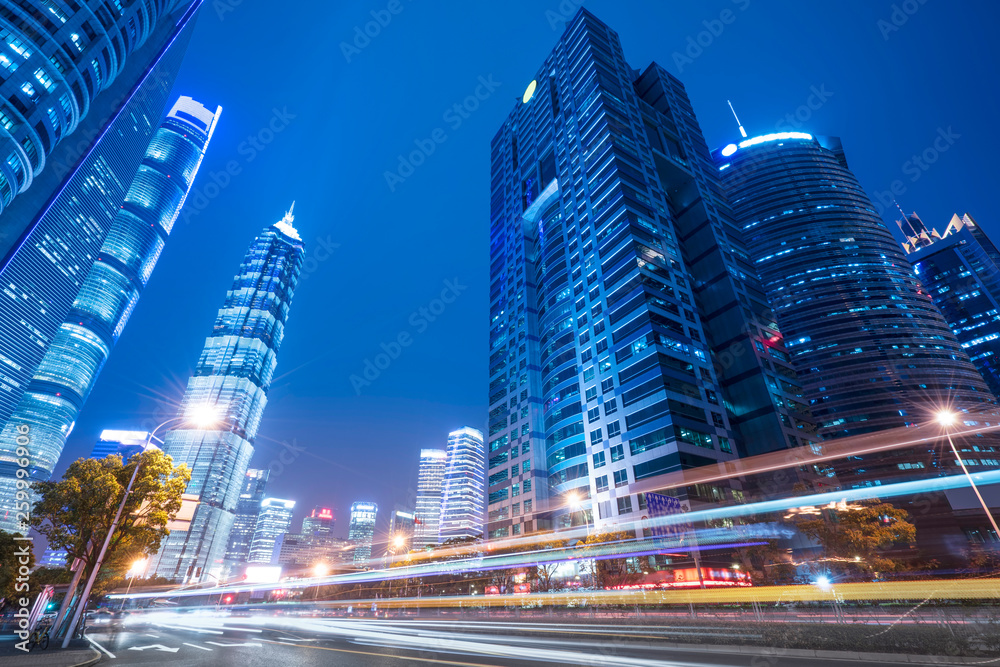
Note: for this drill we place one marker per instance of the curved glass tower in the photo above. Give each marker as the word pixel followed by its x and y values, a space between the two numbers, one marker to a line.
pixel 872 349
pixel 464 486
pixel 231 379
pixel 75 357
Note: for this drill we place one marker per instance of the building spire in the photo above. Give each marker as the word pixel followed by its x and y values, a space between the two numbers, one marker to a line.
pixel 742 131
pixel 285 224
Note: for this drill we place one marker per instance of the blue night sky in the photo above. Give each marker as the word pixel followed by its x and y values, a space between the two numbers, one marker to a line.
pixel 378 256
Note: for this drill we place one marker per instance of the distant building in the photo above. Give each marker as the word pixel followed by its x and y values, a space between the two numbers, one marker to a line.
pixel 464 494
pixel 53 558
pixel 274 520
pixel 362 531
pixel 245 523
pixel 319 522
pixel 303 551
pixel 430 486
pixel 124 443
pixel 401 530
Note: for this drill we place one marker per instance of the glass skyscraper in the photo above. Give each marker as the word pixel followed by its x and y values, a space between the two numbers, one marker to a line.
pixel 629 336
pixel 361 531
pixel 873 349
pixel 231 379
pixel 125 444
pixel 110 289
pixel 274 520
pixel 430 487
pixel 462 501
pixel 960 269
pixel 245 521
pixel 319 522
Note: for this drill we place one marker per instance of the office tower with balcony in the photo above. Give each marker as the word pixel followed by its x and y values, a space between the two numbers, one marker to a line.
pixel 464 491
pixel 873 350
pixel 960 269
pixel 319 522
pixel 430 487
pixel 110 289
pixel 231 380
pixel 83 89
pixel 245 521
pixel 629 336
pixel 274 520
pixel 361 531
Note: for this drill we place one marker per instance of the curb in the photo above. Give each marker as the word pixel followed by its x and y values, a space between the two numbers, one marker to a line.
pixel 92 661
pixel 836 655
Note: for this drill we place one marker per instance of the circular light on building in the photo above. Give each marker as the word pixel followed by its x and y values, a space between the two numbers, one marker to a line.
pixel 529 92
pixel 729 150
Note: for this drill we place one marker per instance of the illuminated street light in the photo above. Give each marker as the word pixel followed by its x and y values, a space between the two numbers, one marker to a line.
pixel 947 419
pixel 823 583
pixel 399 541
pixel 320 570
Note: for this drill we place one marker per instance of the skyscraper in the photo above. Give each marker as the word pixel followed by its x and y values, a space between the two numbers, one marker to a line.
pixel 629 337
pixel 274 520
pixel 430 487
pixel 362 531
pixel 872 348
pixel 464 494
pixel 125 444
pixel 84 88
pixel 319 522
pixel 231 379
pixel 401 527
pixel 245 521
pixel 960 269
pixel 111 287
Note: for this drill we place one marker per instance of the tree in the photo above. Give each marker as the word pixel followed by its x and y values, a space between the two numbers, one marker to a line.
pixel 76 513
pixel 611 572
pixel 12 558
pixel 859 535
pixel 765 564
pixel 544 571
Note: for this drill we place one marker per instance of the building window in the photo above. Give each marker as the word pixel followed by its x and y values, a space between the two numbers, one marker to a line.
pixel 588 374
pixel 625 505
pixel 599 460
pixel 515 509
pixel 617 453
pixel 602 345
pixel 614 428
pixel 593 415
pixel 591 393
pixel 525 466
pixel 621 478
pixel 607 385
pixel 515 529
pixel 602 483
pixel 527 485
pixel 611 406
pixel 527 506
pixel 515 490
pixel 596 436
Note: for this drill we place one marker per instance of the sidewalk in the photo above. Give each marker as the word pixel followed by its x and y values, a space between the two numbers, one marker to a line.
pixel 79 654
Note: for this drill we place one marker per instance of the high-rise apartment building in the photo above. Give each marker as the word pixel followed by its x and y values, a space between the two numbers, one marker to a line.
pixel 245 521
pixel 960 269
pixel 361 531
pixel 125 444
pixel 873 350
pixel 319 522
pixel 83 88
pixel 629 336
pixel 464 494
pixel 231 380
pixel 274 520
pixel 112 282
pixel 430 488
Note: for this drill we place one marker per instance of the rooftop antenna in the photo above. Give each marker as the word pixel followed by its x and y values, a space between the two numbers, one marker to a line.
pixel 903 219
pixel 742 131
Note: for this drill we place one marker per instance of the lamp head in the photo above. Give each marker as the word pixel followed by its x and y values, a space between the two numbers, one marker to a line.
pixel 946 417
pixel 204 415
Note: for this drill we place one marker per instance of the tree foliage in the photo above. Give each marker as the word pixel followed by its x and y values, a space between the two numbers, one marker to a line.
pixel 11 553
pixel 76 513
pixel 611 572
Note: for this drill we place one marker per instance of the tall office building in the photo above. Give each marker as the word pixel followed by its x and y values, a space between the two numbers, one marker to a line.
pixel 83 88
pixel 361 531
pixel 960 269
pixel 231 379
pixel 464 495
pixel 274 520
pixel 873 349
pixel 245 521
pixel 111 287
pixel 629 337
pixel 125 444
pixel 401 525
pixel 430 487
pixel 319 522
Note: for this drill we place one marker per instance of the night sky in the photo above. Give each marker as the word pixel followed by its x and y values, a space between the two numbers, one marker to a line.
pixel 376 256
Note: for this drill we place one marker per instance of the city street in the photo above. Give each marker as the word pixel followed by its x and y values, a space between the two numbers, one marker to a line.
pixel 377 642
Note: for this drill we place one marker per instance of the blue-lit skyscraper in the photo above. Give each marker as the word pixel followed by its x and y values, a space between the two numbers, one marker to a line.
pixel 110 290
pixel 231 379
pixel 125 444
pixel 245 521
pixel 274 520
pixel 462 501
pixel 361 531
pixel 960 269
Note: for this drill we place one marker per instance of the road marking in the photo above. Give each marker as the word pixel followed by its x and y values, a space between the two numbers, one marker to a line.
pixel 385 655
pixel 236 627
pixel 109 653
pixel 203 648
pixel 257 644
pixel 149 634
pixel 158 647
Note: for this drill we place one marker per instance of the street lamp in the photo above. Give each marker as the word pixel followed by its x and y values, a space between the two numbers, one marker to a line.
pixel 202 416
pixel 138 567
pixel 947 419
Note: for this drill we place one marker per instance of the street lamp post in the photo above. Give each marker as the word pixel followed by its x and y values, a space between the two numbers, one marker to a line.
pixel 947 419
pixel 204 420
pixel 137 567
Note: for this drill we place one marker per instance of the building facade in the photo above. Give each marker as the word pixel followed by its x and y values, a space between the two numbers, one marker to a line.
pixel 125 444
pixel 245 521
pixel 430 489
pixel 231 380
pixel 319 522
pixel 361 531
pixel 960 269
pixel 274 520
pixel 873 350
pixel 462 500
pixel 629 336
pixel 305 553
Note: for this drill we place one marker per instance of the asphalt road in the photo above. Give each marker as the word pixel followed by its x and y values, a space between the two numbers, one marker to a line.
pixel 289 642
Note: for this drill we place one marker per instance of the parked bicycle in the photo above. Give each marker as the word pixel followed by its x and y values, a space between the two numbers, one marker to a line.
pixel 39 638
